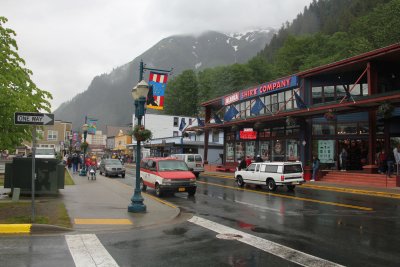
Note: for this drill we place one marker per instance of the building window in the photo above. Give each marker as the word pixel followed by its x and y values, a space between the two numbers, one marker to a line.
pixel 215 137
pixel 175 134
pixel 176 121
pixel 52 135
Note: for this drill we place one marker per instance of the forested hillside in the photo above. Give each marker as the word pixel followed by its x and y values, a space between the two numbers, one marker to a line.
pixel 325 32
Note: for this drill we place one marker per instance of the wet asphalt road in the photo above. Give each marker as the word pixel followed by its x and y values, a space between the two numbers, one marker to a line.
pixel 364 232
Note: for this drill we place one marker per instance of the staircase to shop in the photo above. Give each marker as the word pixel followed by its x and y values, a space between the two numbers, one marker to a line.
pixel 359 178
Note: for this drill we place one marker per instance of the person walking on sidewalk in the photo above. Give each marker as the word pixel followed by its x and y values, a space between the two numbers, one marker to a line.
pixel 75 163
pixel 343 160
pixel 396 154
pixel 315 168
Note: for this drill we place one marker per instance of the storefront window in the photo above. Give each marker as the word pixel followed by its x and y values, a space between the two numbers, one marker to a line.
pixel 278 151
pixel 250 149
pixel 239 150
pixel 265 151
pixel 363 128
pixel 325 150
pixel 278 131
pixel 323 129
pixel 292 130
pixel 365 89
pixel 346 128
pixel 274 103
pixel 289 99
pixel 341 92
pixel 229 152
pixel 317 95
pixel 329 93
pixel 265 133
pixel 292 150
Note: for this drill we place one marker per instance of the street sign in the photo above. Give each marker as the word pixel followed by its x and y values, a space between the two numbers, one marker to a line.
pixel 23 118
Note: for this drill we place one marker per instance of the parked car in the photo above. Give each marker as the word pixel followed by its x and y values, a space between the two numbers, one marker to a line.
pixel 167 175
pixel 112 167
pixel 194 161
pixel 272 174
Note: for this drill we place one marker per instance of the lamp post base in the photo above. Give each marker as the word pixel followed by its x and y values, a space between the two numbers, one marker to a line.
pixel 137 203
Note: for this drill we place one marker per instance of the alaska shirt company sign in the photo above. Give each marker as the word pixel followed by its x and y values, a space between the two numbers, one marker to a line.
pixel 263 89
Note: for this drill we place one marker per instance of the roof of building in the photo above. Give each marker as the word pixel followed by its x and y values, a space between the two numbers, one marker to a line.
pixel 114 130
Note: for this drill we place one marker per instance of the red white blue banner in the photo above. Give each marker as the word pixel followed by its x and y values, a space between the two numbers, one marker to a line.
pixel 157 85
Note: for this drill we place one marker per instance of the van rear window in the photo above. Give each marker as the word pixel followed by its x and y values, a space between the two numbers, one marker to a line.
pixel 292 168
pixel 198 158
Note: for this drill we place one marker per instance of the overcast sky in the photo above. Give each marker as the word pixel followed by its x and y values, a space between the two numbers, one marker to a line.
pixel 66 43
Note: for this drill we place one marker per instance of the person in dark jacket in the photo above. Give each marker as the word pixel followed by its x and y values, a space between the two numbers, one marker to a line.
pixel 75 163
pixel 315 168
pixel 259 159
pixel 242 165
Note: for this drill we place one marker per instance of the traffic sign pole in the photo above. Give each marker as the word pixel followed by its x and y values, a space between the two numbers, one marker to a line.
pixel 33 172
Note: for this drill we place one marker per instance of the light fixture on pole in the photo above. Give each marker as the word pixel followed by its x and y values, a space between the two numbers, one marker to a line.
pixel 139 94
pixel 85 128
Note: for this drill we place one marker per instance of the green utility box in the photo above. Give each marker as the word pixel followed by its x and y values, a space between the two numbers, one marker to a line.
pixel 49 175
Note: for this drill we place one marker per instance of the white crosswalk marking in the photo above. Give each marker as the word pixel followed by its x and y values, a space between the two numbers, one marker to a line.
pixel 87 251
pixel 281 251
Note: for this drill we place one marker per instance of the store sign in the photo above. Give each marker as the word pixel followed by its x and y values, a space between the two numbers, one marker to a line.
pixel 248 134
pixel 326 151
pixel 263 89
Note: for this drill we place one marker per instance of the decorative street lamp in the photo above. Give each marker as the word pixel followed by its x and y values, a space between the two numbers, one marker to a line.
pixel 139 94
pixel 85 128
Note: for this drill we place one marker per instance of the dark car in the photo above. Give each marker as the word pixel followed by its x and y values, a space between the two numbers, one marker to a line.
pixel 112 167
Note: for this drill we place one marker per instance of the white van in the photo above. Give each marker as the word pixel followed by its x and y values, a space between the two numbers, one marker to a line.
pixel 272 174
pixel 45 153
pixel 194 161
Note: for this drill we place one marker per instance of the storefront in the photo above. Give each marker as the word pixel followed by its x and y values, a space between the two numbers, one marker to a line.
pixel 351 104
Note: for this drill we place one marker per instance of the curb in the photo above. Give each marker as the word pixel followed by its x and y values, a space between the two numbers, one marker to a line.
pixel 32 229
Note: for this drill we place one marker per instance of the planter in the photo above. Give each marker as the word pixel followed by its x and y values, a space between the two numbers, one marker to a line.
pixel 307 173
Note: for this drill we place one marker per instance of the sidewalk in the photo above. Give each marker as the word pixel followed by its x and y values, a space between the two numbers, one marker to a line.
pixel 100 205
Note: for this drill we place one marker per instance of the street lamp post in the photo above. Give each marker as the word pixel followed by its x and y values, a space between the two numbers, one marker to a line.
pixel 139 94
pixel 85 130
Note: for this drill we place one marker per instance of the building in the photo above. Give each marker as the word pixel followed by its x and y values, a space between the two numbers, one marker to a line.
pixel 122 139
pixel 111 132
pixel 176 134
pixel 352 104
pixel 97 142
pixel 55 136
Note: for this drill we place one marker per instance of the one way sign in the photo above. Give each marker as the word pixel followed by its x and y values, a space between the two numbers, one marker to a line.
pixel 23 118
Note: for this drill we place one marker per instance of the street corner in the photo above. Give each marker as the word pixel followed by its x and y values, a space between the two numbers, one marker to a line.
pixel 31 229
pixel 158 211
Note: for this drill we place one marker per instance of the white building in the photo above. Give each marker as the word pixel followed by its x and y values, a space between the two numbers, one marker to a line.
pixel 169 139
pixel 97 142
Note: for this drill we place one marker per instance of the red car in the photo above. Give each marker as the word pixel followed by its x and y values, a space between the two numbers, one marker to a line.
pixel 167 175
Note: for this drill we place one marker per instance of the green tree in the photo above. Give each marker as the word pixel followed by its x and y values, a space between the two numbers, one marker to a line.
pixel 18 93
pixel 181 95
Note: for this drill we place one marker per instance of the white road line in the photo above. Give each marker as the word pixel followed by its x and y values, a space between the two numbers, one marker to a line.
pixel 281 251
pixel 87 251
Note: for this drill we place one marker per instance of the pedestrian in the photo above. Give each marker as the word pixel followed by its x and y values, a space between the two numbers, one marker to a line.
pixel 396 154
pixel 390 162
pixel 259 159
pixel 382 161
pixel 343 160
pixel 315 168
pixel 75 163
pixel 242 164
pixel 248 161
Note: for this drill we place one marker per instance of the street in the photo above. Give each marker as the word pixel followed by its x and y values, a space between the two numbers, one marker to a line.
pixel 306 227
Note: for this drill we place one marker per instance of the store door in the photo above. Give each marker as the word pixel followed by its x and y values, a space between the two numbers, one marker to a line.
pixel 357 153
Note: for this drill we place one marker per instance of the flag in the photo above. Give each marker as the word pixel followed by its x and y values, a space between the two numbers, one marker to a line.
pixel 217 119
pixel 92 123
pixel 257 107
pixel 299 101
pixel 200 122
pixel 231 113
pixel 157 85
pixel 182 125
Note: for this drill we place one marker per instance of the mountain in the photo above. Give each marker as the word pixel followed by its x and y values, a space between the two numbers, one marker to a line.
pixel 108 97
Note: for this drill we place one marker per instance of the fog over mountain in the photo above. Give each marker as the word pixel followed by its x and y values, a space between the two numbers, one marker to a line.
pixel 108 97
